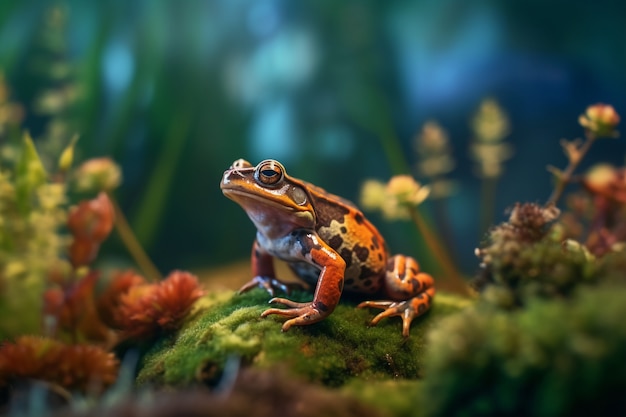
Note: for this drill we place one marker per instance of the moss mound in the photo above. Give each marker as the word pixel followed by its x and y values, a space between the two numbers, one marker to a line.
pixel 331 352
pixel 555 357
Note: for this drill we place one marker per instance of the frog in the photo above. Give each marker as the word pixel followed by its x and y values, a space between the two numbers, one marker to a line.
pixel 328 243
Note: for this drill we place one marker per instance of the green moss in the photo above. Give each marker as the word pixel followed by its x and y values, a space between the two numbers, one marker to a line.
pixel 399 398
pixel 542 269
pixel 554 357
pixel 330 352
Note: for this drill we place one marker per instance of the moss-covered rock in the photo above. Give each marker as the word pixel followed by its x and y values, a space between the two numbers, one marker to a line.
pixel 554 357
pixel 398 397
pixel 330 352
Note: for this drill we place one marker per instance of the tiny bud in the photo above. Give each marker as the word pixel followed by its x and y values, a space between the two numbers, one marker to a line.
pixel 98 174
pixel 600 119
pixel 92 219
pixel 30 165
pixel 67 156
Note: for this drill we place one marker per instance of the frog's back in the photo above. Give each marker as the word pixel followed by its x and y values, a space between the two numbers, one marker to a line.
pixel 343 227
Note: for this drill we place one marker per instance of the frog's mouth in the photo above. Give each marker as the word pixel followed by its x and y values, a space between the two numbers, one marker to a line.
pixel 267 212
pixel 243 197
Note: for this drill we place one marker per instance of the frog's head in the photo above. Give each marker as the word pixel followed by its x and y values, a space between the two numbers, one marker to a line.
pixel 269 196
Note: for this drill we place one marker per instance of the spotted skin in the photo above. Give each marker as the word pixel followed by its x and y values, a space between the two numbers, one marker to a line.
pixel 327 242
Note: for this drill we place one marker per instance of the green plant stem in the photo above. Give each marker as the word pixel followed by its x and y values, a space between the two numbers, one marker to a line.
pixel 441 255
pixel 566 176
pixel 488 197
pixel 444 225
pixel 132 244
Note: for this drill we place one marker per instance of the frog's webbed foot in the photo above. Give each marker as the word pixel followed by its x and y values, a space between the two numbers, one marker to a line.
pixel 301 313
pixel 270 285
pixel 407 310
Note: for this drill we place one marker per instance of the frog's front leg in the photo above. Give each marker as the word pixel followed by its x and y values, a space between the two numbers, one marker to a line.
pixel 410 290
pixel 263 273
pixel 329 284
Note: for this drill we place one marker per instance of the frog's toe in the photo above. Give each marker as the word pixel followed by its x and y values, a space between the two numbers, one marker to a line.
pixel 376 304
pixel 397 309
pixel 304 317
pixel 407 310
pixel 269 284
pixel 300 313
pixel 288 303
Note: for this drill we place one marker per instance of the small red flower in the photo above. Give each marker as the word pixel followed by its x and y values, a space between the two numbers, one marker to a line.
pixel 92 219
pixel 28 357
pixel 148 309
pixel 174 298
pixel 86 368
pixel 108 303
pixel 75 367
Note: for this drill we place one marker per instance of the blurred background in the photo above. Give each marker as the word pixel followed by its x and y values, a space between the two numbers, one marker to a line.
pixel 338 91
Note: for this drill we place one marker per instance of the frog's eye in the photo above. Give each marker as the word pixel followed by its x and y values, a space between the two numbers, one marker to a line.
pixel 269 172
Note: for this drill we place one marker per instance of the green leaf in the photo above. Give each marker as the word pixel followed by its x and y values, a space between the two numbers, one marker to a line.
pixel 30 173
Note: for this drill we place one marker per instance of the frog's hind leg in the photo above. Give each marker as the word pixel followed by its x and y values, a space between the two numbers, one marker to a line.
pixel 410 290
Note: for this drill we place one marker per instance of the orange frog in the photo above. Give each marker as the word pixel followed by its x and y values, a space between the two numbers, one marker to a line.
pixel 327 242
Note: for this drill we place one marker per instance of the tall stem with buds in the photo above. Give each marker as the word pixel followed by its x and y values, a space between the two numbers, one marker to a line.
pixel 490 126
pixel 599 120
pixel 564 178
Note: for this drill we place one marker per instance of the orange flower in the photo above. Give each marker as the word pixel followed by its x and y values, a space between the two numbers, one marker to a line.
pixel 175 296
pixel 148 309
pixel 86 367
pixel 29 356
pixel 606 181
pixel 600 119
pixel 75 367
pixel 92 219
pixel 109 301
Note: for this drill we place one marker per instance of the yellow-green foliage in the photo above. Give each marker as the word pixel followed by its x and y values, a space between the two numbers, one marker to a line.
pixel 331 352
pixel 31 212
pixel 398 398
